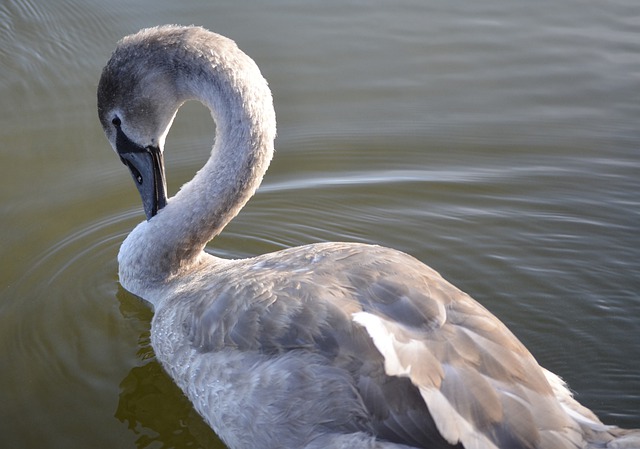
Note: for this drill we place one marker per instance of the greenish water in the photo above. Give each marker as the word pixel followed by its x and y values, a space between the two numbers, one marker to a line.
pixel 496 141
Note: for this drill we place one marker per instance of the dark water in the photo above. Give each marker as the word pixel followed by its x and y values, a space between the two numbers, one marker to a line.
pixel 496 141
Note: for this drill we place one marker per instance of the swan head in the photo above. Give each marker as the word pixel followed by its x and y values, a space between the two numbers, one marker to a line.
pixel 138 97
pixel 152 73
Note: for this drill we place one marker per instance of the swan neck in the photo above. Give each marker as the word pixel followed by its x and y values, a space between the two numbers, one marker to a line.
pixel 240 102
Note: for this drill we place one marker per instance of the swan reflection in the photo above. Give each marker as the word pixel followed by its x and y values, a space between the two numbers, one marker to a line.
pixel 150 404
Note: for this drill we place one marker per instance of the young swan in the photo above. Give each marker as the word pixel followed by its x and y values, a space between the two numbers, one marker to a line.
pixel 332 345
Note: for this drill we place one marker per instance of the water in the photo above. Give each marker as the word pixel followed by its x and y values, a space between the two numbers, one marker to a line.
pixel 497 141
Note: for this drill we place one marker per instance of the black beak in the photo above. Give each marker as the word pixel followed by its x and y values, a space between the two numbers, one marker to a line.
pixel 147 169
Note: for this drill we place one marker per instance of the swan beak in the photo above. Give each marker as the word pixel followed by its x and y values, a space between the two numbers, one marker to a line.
pixel 147 169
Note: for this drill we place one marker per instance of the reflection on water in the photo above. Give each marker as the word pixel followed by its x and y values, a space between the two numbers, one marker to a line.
pixel 151 405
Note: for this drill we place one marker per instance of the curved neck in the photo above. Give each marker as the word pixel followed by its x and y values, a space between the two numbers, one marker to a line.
pixel 241 105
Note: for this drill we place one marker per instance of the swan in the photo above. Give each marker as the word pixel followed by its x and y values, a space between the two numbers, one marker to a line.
pixel 330 345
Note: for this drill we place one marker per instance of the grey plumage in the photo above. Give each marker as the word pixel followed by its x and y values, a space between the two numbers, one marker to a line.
pixel 331 345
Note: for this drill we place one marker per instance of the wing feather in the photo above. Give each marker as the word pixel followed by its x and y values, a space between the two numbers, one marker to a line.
pixel 480 384
pixel 423 355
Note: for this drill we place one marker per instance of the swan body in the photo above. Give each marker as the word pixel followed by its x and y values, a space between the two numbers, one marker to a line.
pixel 332 345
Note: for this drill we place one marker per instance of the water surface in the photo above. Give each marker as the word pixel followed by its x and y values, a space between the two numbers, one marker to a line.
pixel 496 141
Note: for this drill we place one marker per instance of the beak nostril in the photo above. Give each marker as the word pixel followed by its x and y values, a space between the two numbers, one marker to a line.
pixel 134 171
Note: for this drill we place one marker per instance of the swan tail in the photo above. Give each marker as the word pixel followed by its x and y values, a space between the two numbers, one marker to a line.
pixel 596 434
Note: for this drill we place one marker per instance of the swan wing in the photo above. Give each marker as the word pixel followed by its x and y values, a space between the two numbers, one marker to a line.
pixel 482 387
pixel 433 367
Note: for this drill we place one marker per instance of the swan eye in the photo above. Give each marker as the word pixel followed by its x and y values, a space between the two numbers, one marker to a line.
pixel 116 121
